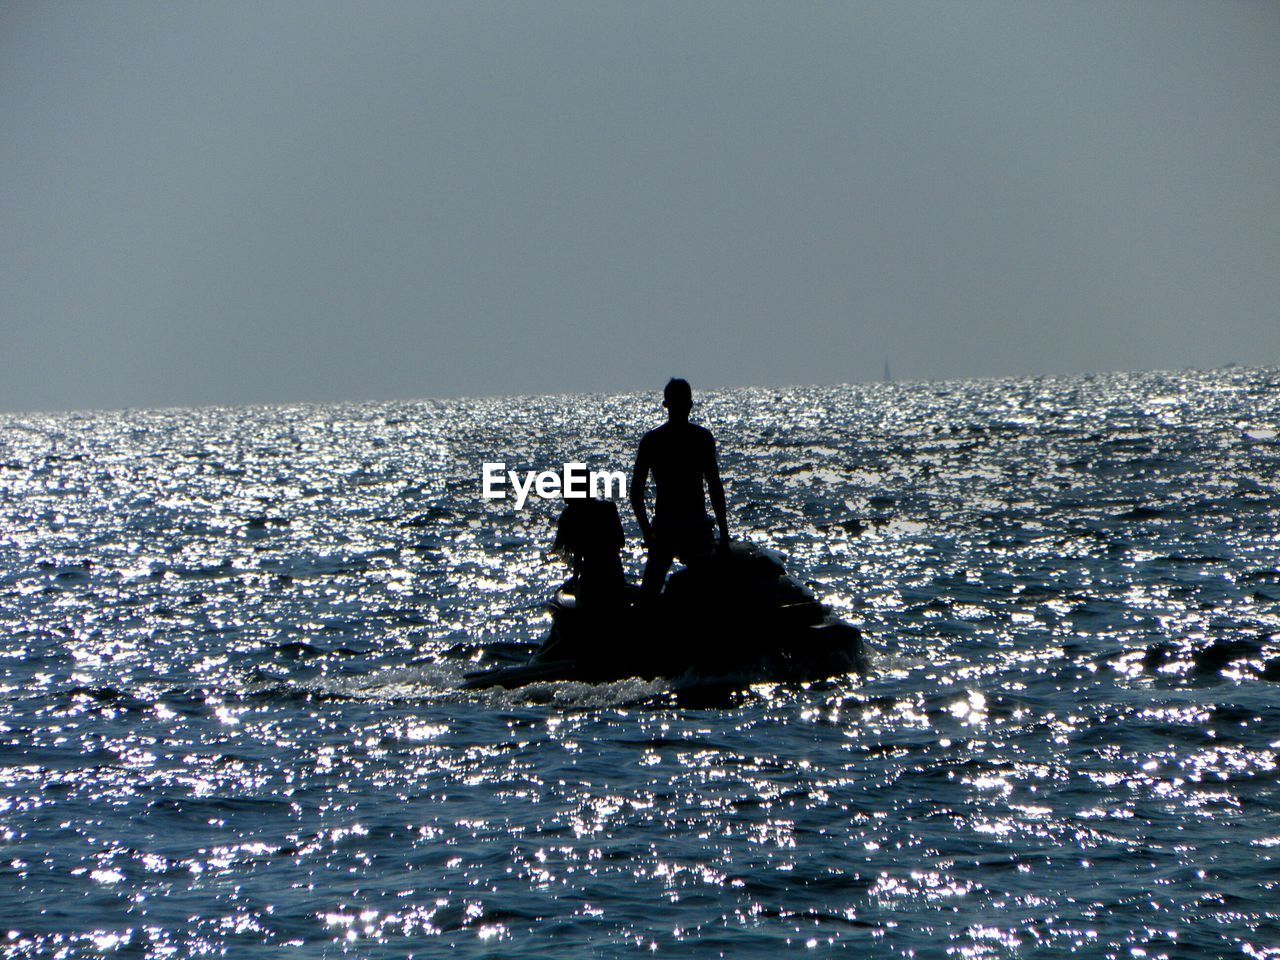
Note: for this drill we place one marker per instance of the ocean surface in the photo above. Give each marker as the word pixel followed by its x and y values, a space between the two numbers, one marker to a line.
pixel 231 641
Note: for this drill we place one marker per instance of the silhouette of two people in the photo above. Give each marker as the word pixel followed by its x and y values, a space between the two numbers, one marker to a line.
pixel 681 456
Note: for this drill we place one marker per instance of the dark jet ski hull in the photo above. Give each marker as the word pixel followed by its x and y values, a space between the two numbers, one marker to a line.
pixel 735 613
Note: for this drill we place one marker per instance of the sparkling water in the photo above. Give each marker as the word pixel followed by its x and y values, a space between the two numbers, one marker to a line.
pixel 230 720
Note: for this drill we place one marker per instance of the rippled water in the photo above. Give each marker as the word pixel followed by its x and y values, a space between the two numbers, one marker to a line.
pixel 229 719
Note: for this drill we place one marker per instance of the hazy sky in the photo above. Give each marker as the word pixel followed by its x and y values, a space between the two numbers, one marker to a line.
pixel 240 203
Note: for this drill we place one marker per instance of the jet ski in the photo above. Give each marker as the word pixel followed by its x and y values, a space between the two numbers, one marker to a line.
pixel 734 612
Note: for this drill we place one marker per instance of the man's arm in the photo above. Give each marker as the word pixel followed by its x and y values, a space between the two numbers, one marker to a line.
pixel 716 489
pixel 639 477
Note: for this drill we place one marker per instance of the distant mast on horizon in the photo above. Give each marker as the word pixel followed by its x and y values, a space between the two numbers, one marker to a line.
pixel 888 377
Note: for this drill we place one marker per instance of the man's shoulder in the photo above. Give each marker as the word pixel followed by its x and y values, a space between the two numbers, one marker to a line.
pixel 701 435
pixel 670 433
pixel 653 436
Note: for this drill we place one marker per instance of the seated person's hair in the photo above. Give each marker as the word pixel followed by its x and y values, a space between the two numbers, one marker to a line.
pixel 589 533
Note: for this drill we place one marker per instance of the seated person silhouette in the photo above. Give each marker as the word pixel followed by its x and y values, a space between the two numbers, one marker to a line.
pixel 590 534
pixel 682 457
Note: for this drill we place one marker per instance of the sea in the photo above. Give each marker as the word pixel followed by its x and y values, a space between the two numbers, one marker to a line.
pixel 232 640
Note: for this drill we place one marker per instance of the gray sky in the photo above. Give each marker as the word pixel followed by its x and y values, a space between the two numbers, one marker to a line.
pixel 241 203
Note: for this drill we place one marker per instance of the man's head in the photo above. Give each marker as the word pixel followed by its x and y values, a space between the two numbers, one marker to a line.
pixel 677 397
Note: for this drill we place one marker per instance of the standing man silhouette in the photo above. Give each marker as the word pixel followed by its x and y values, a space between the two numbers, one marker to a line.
pixel 681 456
